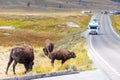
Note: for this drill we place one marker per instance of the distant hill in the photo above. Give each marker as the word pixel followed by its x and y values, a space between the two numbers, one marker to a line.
pixel 59 4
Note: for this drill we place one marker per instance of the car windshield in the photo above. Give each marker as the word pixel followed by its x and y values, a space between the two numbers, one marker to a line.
pixel 93 27
pixel 94 19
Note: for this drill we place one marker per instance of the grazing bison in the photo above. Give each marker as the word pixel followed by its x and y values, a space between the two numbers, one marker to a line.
pixel 48 48
pixel 61 55
pixel 23 55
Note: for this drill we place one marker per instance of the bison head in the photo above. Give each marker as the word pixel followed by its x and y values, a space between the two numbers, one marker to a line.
pixel 72 55
pixel 29 66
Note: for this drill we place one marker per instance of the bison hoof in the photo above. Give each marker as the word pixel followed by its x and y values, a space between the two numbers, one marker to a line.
pixel 6 73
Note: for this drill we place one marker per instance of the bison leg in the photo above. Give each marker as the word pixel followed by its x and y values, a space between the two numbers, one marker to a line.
pixel 14 64
pixel 26 67
pixel 9 63
pixel 45 51
pixel 52 62
pixel 48 50
pixel 63 61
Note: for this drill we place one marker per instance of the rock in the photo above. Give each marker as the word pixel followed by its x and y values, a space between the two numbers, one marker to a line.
pixel 7 27
pixel 72 24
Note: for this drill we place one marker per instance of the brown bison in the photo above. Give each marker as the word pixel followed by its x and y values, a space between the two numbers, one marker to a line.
pixel 61 55
pixel 23 55
pixel 48 48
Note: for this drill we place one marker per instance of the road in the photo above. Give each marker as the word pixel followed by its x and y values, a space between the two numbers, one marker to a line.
pixel 105 48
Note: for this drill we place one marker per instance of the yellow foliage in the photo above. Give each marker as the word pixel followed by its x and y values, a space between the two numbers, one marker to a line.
pixel 116 23
pixel 34 30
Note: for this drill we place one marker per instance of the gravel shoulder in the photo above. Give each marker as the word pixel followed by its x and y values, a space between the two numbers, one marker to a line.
pixel 87 75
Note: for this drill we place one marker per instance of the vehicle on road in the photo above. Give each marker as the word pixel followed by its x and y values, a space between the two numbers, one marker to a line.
pixel 93 28
pixel 105 12
pixel 86 12
pixel 115 12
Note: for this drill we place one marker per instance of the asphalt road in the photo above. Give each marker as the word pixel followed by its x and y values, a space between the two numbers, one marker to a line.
pixel 105 48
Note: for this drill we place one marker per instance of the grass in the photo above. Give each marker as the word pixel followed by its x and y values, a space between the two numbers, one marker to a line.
pixel 73 42
pixel 116 23
pixel 34 30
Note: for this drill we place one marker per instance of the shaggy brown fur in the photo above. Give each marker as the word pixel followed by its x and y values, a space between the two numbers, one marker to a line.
pixel 61 55
pixel 23 55
pixel 48 48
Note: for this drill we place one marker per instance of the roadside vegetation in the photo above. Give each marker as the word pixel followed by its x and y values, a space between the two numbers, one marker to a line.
pixel 34 30
pixel 116 23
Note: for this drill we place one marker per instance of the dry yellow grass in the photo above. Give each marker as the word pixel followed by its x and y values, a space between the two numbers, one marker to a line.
pixel 23 33
pixel 34 29
pixel 116 23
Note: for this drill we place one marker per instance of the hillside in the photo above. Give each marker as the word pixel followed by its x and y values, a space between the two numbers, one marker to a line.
pixel 58 5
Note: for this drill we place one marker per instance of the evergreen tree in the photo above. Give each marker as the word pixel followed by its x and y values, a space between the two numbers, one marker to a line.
pixel 116 0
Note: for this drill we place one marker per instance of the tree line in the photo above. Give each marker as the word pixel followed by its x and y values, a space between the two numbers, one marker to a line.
pixel 116 0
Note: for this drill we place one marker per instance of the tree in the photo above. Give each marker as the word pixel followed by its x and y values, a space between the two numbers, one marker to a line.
pixel 60 5
pixel 116 0
pixel 79 1
pixel 28 4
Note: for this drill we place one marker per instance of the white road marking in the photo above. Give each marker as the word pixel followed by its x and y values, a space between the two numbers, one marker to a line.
pixel 113 29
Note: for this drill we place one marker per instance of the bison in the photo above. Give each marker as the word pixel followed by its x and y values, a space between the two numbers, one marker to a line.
pixel 48 48
pixel 61 55
pixel 23 55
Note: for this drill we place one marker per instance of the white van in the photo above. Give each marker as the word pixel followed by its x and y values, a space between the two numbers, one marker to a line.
pixel 93 28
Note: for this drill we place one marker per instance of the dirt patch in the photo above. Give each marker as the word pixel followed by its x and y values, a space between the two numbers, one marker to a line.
pixel 72 24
